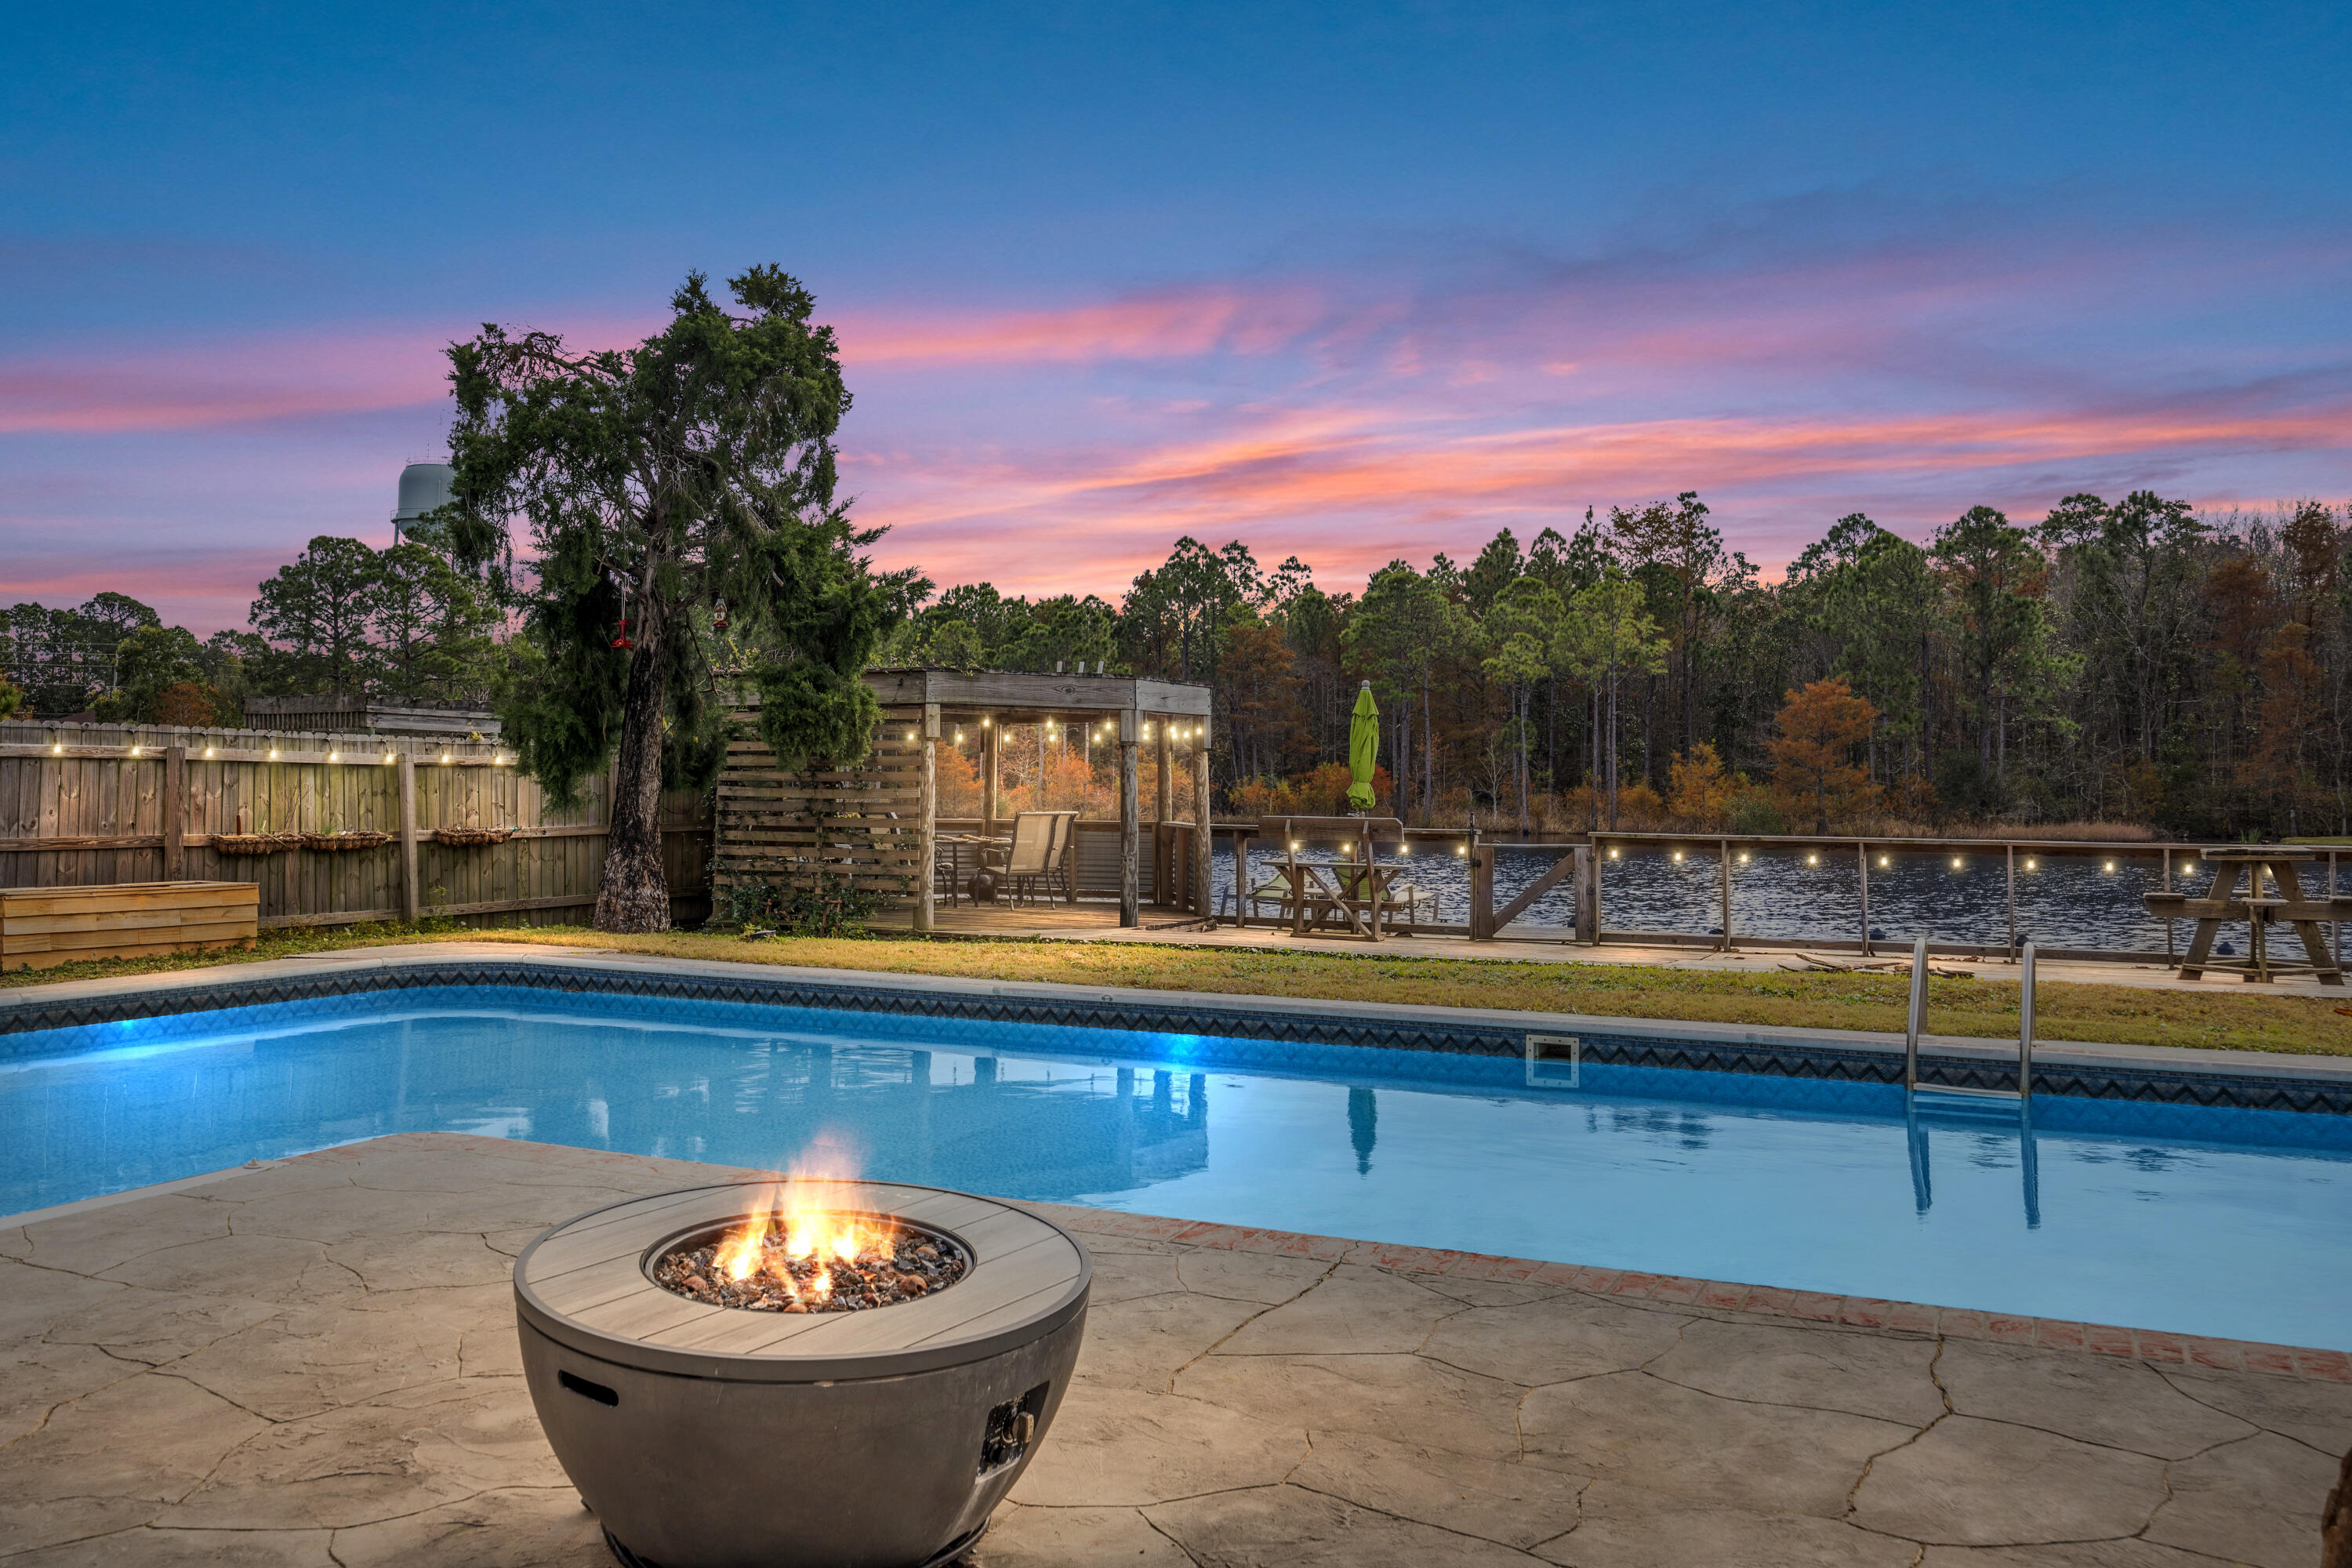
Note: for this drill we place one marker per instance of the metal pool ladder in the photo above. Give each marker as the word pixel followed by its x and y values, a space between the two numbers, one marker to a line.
pixel 1952 1097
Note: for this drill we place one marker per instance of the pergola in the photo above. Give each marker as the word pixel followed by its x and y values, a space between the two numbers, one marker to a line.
pixel 879 820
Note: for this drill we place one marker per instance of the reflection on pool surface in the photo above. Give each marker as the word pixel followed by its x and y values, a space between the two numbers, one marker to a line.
pixel 2230 1222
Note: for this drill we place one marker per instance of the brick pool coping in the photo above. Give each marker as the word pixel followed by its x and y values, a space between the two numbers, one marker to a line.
pixel 1850 1311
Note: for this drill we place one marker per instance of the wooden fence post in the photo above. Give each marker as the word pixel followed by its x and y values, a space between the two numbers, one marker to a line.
pixel 175 814
pixel 408 907
pixel 1588 900
pixel 1482 889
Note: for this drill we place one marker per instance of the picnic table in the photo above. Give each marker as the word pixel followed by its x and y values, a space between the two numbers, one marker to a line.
pixel 1318 895
pixel 2258 911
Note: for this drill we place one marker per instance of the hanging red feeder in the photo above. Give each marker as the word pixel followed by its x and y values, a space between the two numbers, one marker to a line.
pixel 621 638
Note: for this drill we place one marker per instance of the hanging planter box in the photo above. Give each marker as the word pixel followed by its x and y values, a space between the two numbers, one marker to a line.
pixel 254 843
pixel 471 837
pixel 358 841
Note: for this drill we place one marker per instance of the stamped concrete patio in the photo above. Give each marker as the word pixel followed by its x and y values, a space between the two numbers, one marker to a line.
pixel 314 1363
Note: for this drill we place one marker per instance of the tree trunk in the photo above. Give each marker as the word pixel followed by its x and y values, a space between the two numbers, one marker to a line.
pixel 633 895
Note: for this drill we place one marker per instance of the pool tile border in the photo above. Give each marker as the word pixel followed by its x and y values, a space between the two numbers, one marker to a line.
pixel 1667 1290
pixel 1298 1038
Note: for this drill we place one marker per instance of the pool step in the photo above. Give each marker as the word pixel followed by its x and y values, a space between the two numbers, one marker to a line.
pixel 1965 1104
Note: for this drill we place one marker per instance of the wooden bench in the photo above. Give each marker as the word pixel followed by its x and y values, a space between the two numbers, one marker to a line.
pixel 45 926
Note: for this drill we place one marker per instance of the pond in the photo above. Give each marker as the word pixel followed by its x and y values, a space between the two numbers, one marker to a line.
pixel 1800 894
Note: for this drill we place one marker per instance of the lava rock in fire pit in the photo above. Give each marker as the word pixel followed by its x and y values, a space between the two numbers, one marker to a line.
pixel 765 1266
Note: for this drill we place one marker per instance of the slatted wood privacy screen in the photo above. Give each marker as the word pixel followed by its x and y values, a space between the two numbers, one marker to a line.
pixel 79 809
pixel 865 824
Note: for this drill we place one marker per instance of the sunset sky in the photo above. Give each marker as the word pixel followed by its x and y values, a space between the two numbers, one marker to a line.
pixel 1348 282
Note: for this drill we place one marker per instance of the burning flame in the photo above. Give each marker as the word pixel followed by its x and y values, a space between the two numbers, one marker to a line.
pixel 805 1224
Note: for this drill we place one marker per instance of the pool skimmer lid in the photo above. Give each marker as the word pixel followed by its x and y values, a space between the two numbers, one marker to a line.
pixel 873 1423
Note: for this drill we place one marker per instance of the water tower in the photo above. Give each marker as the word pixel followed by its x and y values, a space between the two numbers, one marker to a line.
pixel 423 487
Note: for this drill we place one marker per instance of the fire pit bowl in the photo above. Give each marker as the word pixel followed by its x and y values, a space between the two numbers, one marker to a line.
pixel 720 1437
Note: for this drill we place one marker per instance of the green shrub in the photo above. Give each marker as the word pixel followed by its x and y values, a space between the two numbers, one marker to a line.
pixel 826 907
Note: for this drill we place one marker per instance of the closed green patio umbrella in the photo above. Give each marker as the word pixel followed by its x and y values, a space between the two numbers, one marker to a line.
pixel 1363 748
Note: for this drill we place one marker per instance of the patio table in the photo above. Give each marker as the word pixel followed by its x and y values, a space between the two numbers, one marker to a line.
pixel 955 846
pixel 2224 905
pixel 1318 903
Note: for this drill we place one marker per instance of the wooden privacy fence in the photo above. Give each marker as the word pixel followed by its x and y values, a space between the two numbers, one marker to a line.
pixel 90 804
pixel 867 825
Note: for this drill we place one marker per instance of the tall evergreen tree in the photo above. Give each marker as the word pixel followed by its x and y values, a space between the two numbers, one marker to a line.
pixel 657 482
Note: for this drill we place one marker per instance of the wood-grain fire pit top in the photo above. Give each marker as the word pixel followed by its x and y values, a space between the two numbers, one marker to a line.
pixel 592 1284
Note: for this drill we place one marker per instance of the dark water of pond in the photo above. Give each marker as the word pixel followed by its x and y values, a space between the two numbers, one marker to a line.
pixel 1800 895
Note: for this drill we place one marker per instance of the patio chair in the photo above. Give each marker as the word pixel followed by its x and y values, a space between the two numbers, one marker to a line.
pixel 1039 854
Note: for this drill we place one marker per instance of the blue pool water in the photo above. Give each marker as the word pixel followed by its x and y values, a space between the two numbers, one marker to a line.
pixel 2230 1222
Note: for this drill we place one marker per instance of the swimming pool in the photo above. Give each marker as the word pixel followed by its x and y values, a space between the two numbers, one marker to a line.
pixel 2228 1223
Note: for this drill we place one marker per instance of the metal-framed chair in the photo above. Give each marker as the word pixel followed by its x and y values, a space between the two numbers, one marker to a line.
pixel 1039 856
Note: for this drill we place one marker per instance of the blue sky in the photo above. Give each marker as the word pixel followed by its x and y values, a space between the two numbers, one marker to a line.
pixel 1347 282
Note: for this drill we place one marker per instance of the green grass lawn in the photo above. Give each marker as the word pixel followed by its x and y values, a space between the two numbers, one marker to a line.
pixel 2229 1019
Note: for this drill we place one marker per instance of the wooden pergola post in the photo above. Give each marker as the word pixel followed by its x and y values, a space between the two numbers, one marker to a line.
pixel 927 853
pixel 988 777
pixel 1204 832
pixel 1131 811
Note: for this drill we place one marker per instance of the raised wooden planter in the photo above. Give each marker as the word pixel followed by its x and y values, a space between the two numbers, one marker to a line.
pixel 42 926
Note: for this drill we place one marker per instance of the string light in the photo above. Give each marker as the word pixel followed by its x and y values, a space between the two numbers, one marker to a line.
pixel 387 756
pixel 208 751
pixel 444 757
pixel 273 754
pixel 2111 865
pixel 1882 862
pixel 2028 863
pixel 1613 854
pixel 1678 854
pixel 58 750
pixel 1743 856
pixel 134 751
pixel 335 756
pixel 1812 860
pixel 1956 862
pixel 958 737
